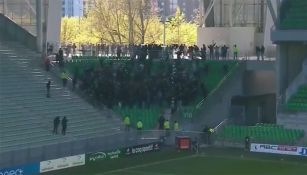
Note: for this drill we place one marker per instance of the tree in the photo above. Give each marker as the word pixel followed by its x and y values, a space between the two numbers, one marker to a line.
pixel 77 30
pixel 122 21
pixel 69 29
pixel 109 21
pixel 126 21
pixel 178 30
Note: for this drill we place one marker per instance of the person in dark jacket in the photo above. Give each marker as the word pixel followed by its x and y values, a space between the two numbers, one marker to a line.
pixel 211 50
pixel 56 123
pixel 48 85
pixel 64 125
pixel 161 122
pixel 262 50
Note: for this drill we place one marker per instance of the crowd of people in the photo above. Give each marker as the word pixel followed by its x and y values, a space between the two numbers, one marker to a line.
pixel 211 51
pixel 152 51
pixel 142 83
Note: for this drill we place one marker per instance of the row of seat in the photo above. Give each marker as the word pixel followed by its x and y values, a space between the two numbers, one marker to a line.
pixel 298 102
pixel 296 16
pixel 261 133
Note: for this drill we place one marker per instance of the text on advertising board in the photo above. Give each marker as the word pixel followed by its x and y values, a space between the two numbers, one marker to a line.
pixel 143 148
pixel 62 163
pixel 29 169
pixel 99 156
pixel 279 149
pixel 303 151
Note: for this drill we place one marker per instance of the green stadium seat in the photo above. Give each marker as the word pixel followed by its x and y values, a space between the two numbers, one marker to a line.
pixel 263 133
pixel 296 16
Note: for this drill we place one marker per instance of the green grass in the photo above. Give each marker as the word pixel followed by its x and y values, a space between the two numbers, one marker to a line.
pixel 210 162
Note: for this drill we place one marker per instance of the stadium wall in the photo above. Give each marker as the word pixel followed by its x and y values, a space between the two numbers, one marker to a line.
pixel 13 32
pixel 217 108
pixel 259 82
pixel 290 60
pixel 256 109
pixel 54 23
pixel 243 37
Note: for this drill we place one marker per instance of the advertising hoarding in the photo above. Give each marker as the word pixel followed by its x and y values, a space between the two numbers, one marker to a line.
pixel 279 149
pixel 28 169
pixel 62 163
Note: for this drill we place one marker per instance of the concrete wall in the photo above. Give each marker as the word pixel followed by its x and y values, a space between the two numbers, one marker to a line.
pixel 269 24
pixel 259 82
pixel 293 121
pixel 257 109
pixel 290 60
pixel 54 22
pixel 296 54
pixel 217 108
pixel 244 37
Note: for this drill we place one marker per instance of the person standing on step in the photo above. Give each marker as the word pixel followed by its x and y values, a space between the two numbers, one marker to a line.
pixel 64 77
pixel 235 52
pixel 176 126
pixel 139 127
pixel 47 64
pixel 56 123
pixel 161 122
pixel 262 50
pixel 167 128
pixel 127 123
pixel 48 85
pixel 64 125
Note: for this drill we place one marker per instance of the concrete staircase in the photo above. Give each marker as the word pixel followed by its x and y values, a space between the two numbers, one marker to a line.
pixel 26 115
pixel 296 120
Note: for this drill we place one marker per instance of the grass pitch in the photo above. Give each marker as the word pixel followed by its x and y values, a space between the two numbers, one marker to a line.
pixel 209 162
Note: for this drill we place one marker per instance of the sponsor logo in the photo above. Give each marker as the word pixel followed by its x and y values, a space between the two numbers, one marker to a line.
pixel 97 156
pixel 118 153
pixel 128 151
pixel 114 154
pixel 79 160
pixel 143 148
pixel 303 152
pixel 29 169
pixel 62 163
pixel 279 149
pixel 12 172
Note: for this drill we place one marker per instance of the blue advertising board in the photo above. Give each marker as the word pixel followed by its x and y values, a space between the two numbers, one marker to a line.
pixel 303 151
pixel 29 169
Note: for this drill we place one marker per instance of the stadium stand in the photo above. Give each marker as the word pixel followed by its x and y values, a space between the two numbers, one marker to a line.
pixel 295 16
pixel 26 115
pixel 262 133
pixel 210 73
pixel 298 102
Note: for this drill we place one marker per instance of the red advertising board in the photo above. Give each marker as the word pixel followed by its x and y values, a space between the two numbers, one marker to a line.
pixel 183 143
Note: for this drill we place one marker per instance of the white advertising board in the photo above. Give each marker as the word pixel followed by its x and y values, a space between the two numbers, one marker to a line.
pixel 62 163
pixel 279 149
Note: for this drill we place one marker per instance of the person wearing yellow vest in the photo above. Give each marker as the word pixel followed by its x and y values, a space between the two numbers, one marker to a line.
pixel 235 52
pixel 127 123
pixel 211 131
pixel 176 126
pixel 64 77
pixel 139 125
pixel 167 127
